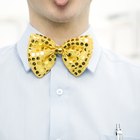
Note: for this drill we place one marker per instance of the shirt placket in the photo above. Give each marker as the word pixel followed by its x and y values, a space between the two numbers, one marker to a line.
pixel 58 101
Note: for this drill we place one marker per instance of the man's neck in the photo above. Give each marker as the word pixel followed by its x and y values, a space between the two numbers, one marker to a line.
pixel 60 32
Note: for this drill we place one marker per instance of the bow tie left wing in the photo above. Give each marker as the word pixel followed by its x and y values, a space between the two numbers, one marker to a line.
pixel 41 54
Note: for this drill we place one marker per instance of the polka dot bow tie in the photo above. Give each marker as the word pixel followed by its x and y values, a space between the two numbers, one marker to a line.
pixel 75 52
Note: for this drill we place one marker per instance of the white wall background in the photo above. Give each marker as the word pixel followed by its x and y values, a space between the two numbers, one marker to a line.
pixel 116 24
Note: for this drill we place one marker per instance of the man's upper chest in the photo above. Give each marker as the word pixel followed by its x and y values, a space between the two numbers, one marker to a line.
pixel 94 102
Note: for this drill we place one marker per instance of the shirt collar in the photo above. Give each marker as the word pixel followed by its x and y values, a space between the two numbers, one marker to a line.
pixel 23 44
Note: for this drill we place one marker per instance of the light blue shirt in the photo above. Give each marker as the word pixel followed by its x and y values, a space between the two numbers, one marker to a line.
pixel 60 106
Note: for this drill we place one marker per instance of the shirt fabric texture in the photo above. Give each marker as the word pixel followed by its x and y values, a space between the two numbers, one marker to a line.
pixel 60 106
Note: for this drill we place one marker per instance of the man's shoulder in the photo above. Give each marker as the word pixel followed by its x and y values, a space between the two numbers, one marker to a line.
pixel 6 49
pixel 118 59
pixel 6 52
pixel 119 65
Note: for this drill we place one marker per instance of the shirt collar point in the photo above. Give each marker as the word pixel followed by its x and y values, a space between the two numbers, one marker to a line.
pixel 94 58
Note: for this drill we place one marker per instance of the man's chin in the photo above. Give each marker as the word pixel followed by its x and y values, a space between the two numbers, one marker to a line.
pixel 62 19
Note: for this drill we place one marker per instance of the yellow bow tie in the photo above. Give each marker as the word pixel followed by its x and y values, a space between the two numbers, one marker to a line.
pixel 75 52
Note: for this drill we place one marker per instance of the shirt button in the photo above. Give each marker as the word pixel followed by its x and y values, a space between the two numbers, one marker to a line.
pixel 59 92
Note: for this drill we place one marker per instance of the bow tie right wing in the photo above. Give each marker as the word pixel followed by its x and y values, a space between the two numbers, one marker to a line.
pixel 77 53
pixel 41 54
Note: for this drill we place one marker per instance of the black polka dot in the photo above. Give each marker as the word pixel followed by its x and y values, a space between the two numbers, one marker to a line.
pixel 34 63
pixel 37 72
pixel 69 54
pixel 46 42
pixel 37 58
pixel 75 73
pixel 33 58
pixel 79 71
pixel 73 65
pixel 77 43
pixel 52 56
pixel 50 59
pixel 83 63
pixel 85 59
pixel 81 43
pixel 65 59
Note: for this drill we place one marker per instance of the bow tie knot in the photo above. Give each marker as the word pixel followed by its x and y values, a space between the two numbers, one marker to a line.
pixel 58 50
pixel 42 52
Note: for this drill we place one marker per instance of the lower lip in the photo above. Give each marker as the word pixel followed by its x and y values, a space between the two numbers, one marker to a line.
pixel 61 3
